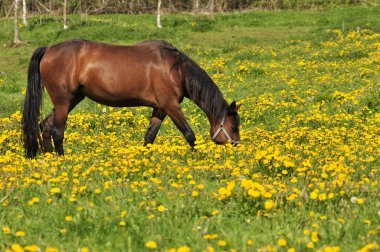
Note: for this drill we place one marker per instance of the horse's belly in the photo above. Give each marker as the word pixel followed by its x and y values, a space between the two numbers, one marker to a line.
pixel 122 102
pixel 118 88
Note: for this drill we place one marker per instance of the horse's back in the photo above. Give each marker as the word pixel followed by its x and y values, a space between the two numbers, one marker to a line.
pixel 111 74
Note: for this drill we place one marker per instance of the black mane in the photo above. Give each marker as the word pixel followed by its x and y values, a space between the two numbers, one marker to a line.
pixel 199 87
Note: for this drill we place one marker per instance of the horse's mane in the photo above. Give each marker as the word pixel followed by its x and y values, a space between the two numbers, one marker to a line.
pixel 199 87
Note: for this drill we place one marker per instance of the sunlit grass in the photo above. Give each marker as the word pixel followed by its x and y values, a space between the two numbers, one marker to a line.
pixel 306 177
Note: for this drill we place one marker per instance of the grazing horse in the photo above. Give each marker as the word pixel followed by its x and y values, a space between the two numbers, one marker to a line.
pixel 150 73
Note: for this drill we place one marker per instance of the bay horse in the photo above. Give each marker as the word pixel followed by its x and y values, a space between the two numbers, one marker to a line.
pixel 150 73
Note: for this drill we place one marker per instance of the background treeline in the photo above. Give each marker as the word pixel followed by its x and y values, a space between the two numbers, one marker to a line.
pixel 149 6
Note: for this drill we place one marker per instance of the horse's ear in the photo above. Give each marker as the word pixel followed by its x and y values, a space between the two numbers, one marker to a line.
pixel 233 107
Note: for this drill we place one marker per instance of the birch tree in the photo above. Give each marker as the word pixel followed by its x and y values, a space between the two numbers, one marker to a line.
pixel 16 32
pixel 195 7
pixel 212 8
pixel 65 26
pixel 24 21
pixel 159 14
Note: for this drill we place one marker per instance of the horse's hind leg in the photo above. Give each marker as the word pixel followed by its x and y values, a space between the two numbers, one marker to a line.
pixel 155 123
pixel 61 112
pixel 60 116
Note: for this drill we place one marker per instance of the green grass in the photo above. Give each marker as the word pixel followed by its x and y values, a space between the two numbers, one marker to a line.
pixel 310 125
pixel 227 33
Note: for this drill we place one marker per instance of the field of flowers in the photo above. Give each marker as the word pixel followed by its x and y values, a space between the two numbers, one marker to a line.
pixel 305 178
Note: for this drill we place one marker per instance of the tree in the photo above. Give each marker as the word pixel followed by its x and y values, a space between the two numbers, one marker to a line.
pixel 212 8
pixel 24 21
pixel 16 28
pixel 159 14
pixel 65 26
pixel 196 7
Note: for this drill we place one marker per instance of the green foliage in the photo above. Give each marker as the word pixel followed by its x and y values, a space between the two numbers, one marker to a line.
pixel 309 89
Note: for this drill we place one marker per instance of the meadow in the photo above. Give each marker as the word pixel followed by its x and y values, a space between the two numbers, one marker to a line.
pixel 305 178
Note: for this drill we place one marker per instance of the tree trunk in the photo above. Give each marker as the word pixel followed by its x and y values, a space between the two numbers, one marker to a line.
pixel 65 15
pixel 24 21
pixel 16 37
pixel 196 7
pixel 131 7
pixel 212 9
pixel 159 14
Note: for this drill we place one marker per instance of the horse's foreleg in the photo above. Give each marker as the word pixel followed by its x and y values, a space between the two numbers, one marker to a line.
pixel 46 128
pixel 155 123
pixel 177 116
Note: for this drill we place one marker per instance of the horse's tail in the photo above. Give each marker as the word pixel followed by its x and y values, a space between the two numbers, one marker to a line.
pixel 32 105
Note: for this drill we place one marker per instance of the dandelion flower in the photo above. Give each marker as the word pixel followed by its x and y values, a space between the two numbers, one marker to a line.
pixel 161 208
pixel 151 244
pixel 6 230
pixel 184 249
pixel 269 204
pixel 20 233
pixel 281 242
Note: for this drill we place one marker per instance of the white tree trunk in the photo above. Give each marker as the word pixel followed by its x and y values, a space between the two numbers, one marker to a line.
pixel 24 21
pixel 17 36
pixel 196 7
pixel 212 8
pixel 65 26
pixel 159 14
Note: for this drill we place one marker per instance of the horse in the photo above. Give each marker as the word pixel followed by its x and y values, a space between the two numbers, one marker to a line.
pixel 150 73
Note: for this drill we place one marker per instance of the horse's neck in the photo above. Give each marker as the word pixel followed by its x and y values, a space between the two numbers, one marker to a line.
pixel 215 110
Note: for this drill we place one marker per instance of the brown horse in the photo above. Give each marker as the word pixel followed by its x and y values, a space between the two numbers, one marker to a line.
pixel 151 73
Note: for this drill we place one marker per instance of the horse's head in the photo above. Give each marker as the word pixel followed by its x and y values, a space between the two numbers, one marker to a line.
pixel 227 130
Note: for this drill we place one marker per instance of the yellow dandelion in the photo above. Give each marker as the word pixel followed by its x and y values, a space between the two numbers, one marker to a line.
pixel 51 250
pixel 55 190
pixel 123 213
pixel 253 193
pixel 281 242
pixel 184 249
pixel 222 243
pixel 215 212
pixel 310 245
pixel 151 244
pixel 210 236
pixel 314 237
pixel 161 208
pixel 194 194
pixel 17 248
pixel 32 248
pixel 269 204
pixel 6 230
pixel 20 233
pixel 360 201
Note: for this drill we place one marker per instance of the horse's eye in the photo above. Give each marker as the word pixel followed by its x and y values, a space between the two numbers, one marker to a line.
pixel 235 129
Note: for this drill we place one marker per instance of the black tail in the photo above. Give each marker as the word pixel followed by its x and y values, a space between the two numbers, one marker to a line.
pixel 32 105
